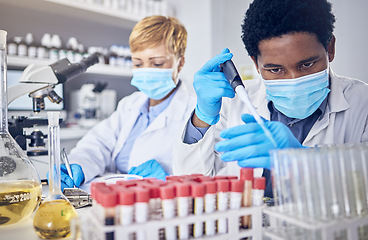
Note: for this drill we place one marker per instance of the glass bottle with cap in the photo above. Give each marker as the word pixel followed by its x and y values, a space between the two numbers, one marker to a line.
pixel 52 219
pixel 20 186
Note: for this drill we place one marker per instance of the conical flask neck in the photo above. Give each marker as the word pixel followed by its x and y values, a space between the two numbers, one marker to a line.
pixel 3 93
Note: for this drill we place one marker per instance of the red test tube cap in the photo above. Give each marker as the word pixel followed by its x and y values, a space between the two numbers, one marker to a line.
pixel 106 197
pixel 198 190
pixel 182 189
pixel 210 187
pixel 94 186
pixel 126 197
pixel 167 192
pixel 259 183
pixel 223 185
pixel 141 194
pixel 246 174
pixel 236 186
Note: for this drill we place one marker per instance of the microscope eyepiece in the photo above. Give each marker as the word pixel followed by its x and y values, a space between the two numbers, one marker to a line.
pixel 64 70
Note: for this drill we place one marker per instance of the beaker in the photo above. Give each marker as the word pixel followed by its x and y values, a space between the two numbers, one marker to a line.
pixel 52 218
pixel 20 186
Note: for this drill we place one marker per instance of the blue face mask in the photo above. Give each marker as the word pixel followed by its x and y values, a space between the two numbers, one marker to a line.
pixel 300 97
pixel 156 83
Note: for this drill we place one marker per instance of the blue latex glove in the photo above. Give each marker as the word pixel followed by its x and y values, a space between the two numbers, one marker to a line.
pixel 210 86
pixel 248 144
pixel 150 168
pixel 66 181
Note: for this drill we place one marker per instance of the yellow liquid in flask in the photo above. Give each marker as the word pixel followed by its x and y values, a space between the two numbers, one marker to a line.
pixel 52 219
pixel 18 200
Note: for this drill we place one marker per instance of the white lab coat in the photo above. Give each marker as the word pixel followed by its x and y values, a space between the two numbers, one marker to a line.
pixel 345 121
pixel 97 150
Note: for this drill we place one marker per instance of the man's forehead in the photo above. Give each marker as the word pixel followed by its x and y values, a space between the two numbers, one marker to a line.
pixel 290 47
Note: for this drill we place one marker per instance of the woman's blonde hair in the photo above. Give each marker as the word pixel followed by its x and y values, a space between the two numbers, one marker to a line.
pixel 156 30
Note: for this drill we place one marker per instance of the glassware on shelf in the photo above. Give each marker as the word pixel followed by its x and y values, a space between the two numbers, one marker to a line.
pixel 20 186
pixel 52 219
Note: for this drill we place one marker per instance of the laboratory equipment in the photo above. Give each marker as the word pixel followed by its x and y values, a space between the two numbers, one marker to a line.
pixel 52 218
pixel 39 81
pixel 78 197
pixel 20 186
pixel 319 191
pixel 232 75
pixel 176 214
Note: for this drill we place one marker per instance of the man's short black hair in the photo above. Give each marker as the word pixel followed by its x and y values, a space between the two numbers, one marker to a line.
pixel 266 19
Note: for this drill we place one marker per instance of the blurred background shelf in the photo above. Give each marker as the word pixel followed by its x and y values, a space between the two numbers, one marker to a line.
pixel 22 62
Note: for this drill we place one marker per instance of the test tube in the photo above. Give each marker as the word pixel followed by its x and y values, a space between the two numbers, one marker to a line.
pixel 167 195
pixel 310 182
pixel 155 201
pixel 258 191
pixel 210 206
pixel 236 192
pixel 198 192
pixel 95 205
pixel 141 209
pixel 364 159
pixel 108 200
pixel 298 187
pixel 222 203
pixel 246 175
pixel 347 181
pixel 126 205
pixel 359 186
pixel 276 178
pixel 323 187
pixel 183 198
pixel 286 180
pixel 334 181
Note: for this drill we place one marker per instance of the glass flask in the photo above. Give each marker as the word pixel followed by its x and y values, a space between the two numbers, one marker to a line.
pixel 52 218
pixel 20 186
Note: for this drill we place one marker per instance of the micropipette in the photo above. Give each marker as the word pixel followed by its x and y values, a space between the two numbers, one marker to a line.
pixel 232 75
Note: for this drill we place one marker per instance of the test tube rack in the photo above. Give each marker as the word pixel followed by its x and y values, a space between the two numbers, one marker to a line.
pixel 91 229
pixel 355 228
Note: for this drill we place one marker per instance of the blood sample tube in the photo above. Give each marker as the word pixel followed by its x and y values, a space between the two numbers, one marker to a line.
pixel 183 198
pixel 198 192
pixel 167 195
pixel 141 209
pixel 94 186
pixel 155 201
pixel 108 200
pixel 126 205
pixel 223 187
pixel 210 206
pixel 236 192
pixel 246 175
pixel 258 190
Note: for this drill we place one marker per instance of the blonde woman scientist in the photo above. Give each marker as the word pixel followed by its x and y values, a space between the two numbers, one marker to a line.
pixel 138 137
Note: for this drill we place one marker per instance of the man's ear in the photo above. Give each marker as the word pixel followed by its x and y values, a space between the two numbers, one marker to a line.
pixel 331 49
pixel 255 63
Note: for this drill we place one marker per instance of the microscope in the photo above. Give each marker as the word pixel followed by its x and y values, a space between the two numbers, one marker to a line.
pixel 39 81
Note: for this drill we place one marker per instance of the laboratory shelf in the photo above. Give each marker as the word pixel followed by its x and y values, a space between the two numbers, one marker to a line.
pixel 22 62
pixel 82 10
